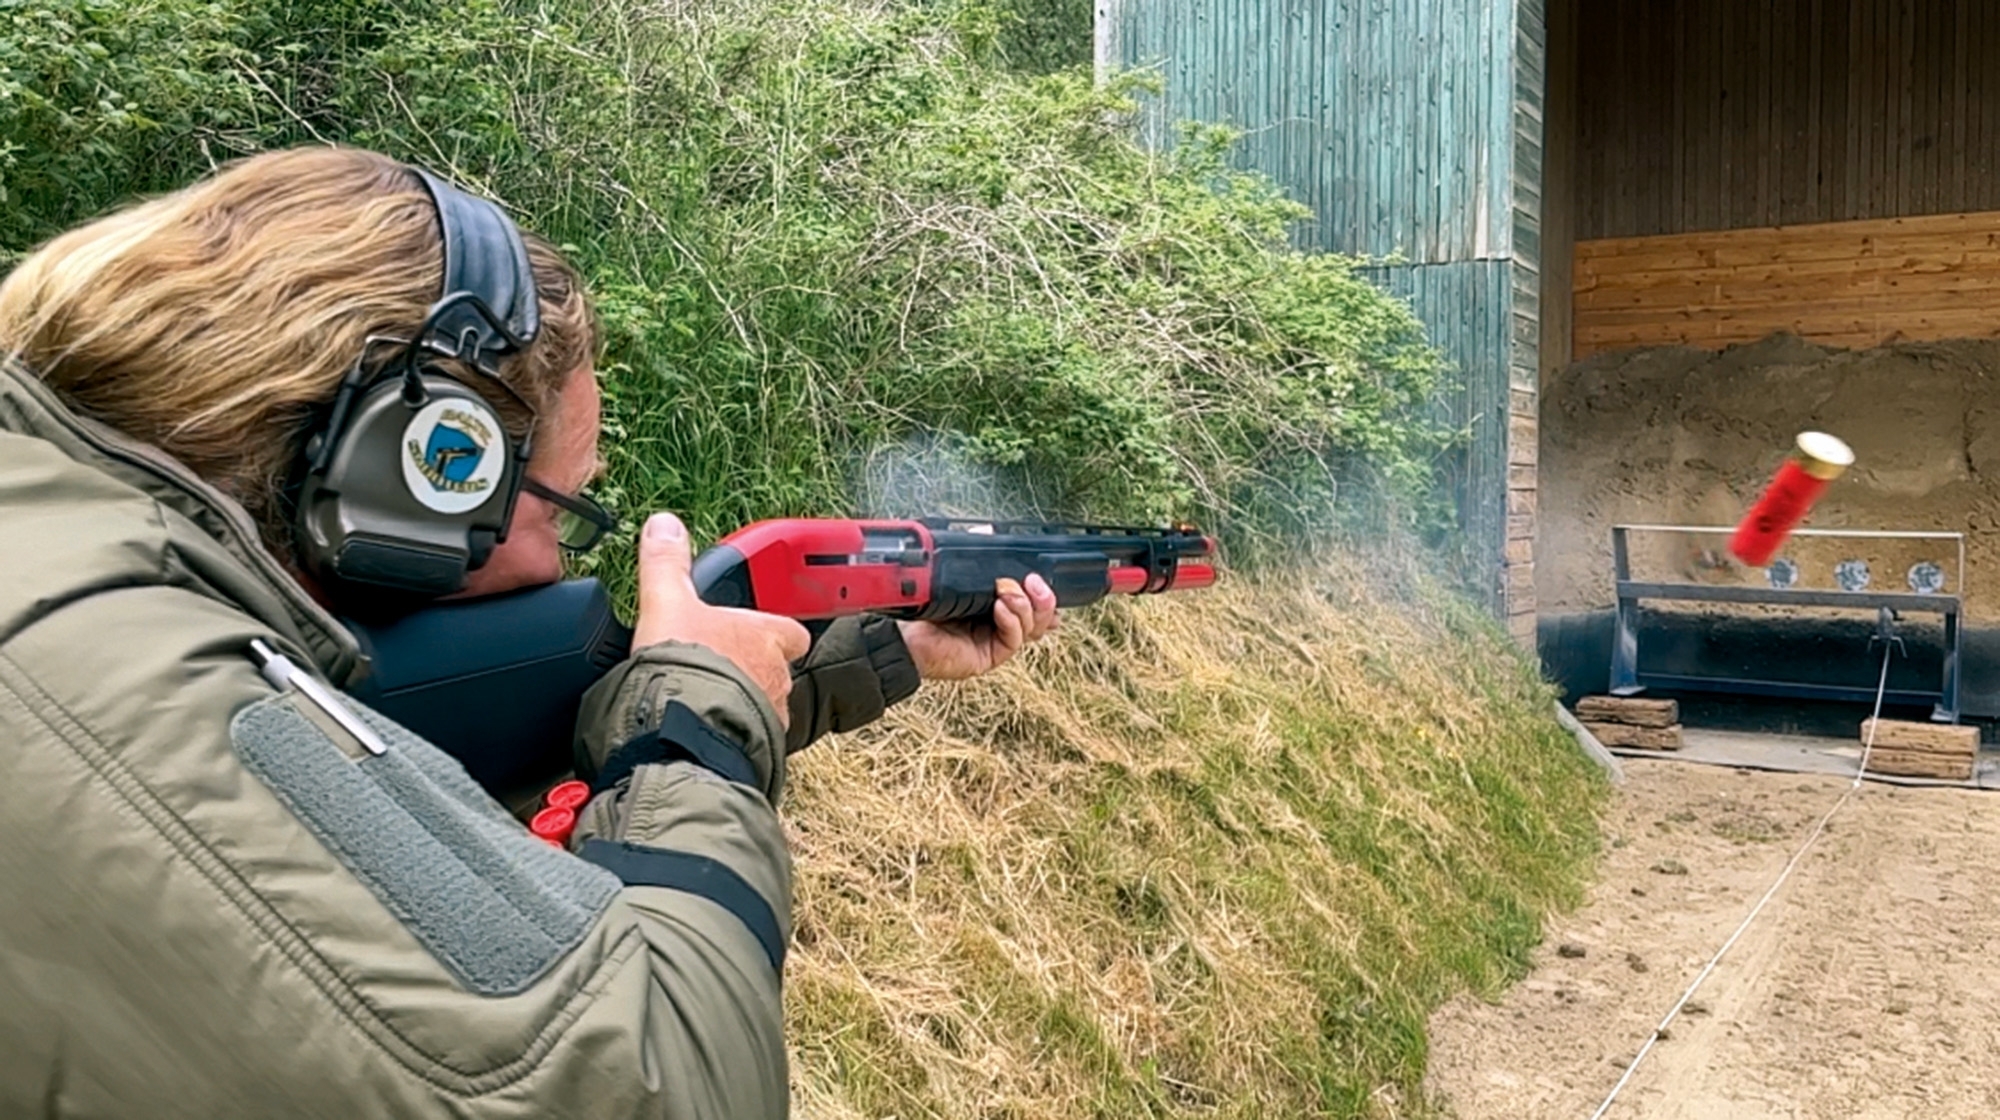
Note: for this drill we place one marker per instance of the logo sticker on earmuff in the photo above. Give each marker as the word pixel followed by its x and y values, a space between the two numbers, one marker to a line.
pixel 453 454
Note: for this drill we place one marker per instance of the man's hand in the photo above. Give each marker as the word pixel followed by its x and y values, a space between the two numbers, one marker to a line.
pixel 762 645
pixel 958 650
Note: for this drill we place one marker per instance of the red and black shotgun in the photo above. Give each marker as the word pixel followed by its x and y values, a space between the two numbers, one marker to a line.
pixel 937 568
pixel 496 682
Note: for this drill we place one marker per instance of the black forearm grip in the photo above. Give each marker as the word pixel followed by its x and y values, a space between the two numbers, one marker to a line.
pixel 962 579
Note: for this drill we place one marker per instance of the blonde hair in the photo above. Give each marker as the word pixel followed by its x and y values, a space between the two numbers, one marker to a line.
pixel 216 322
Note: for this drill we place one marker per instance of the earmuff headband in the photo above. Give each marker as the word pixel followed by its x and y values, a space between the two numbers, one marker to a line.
pixel 485 257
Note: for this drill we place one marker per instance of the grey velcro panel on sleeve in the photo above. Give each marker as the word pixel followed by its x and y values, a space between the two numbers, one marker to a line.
pixel 495 905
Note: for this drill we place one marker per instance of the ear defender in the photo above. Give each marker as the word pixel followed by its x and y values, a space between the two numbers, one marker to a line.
pixel 412 480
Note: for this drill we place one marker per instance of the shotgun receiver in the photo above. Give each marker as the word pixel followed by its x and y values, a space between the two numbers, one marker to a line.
pixel 496 682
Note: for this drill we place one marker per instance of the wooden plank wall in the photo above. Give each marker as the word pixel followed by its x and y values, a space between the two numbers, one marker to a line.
pixel 1468 306
pixel 1413 128
pixel 1845 283
pixel 1734 114
pixel 1380 115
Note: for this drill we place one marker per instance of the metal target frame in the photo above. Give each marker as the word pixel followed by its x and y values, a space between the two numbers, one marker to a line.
pixel 1627 678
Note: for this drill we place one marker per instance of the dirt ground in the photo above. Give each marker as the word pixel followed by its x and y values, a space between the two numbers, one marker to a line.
pixel 1690 437
pixel 1867 988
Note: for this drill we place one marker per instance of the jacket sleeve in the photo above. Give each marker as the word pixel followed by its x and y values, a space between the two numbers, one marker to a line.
pixel 687 757
pixel 857 669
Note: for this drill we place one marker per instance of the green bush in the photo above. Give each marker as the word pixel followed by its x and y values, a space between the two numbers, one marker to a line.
pixel 1043 36
pixel 847 261
pixel 94 94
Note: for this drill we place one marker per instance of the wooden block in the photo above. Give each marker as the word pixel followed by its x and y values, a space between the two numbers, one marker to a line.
pixel 1951 740
pixel 1633 710
pixel 1920 764
pixel 1625 735
pixel 1921 750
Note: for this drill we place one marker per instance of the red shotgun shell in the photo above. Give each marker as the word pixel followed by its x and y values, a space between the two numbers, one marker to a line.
pixel 1818 460
pixel 568 795
pixel 554 826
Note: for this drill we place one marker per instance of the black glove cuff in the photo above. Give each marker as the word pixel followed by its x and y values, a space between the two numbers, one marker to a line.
pixel 883 638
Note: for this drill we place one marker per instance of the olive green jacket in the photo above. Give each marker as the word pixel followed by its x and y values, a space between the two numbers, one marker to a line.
pixel 217 900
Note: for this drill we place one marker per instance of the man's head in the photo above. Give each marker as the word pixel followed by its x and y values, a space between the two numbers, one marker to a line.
pixel 217 323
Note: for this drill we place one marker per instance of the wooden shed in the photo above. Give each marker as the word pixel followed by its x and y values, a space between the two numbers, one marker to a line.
pixel 1574 180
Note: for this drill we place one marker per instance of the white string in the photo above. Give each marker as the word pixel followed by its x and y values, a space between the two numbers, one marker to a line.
pixel 1867 746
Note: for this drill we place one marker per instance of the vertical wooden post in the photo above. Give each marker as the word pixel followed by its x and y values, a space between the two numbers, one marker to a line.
pixel 1526 188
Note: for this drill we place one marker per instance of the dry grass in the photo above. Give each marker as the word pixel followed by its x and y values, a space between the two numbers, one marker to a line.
pixel 1213 854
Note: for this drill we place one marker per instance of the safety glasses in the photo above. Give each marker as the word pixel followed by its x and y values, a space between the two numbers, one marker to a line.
pixel 582 524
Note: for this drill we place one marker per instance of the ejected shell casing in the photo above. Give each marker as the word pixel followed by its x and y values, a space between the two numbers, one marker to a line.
pixel 1817 460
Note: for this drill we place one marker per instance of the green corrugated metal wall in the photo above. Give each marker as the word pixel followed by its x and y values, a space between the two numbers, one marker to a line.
pixel 1412 128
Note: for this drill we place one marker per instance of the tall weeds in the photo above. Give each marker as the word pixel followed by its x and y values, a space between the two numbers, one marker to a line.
pixel 820 231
